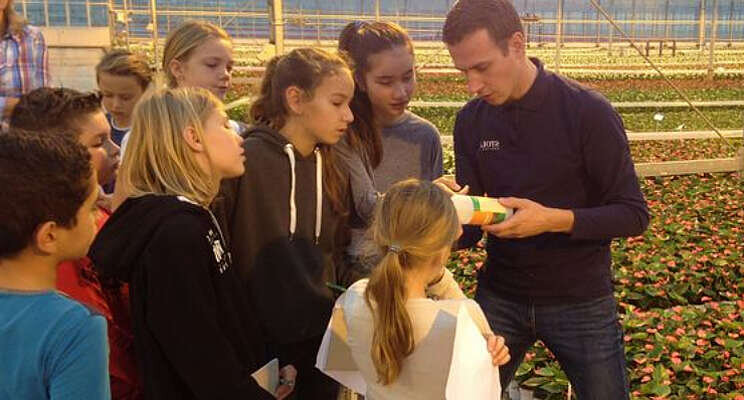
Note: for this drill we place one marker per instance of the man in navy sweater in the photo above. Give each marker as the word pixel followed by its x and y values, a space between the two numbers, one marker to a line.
pixel 556 152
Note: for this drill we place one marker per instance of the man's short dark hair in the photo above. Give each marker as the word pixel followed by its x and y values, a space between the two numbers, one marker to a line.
pixel 497 17
pixel 45 108
pixel 43 178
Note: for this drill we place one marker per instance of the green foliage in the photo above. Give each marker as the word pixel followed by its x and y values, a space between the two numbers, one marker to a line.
pixel 635 120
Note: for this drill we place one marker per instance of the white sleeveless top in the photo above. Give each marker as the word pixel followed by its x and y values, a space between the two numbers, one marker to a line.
pixel 425 371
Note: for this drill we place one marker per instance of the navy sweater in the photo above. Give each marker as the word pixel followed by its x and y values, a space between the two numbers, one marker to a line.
pixel 563 146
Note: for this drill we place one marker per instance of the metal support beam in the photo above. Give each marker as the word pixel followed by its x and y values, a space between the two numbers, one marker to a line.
pixel 701 26
pixel 558 35
pixel 689 167
pixel 67 13
pixel 277 25
pixel 126 20
pixel 610 31
pixel 46 12
pixel 666 18
pixel 713 35
pixel 87 12
pixel 155 38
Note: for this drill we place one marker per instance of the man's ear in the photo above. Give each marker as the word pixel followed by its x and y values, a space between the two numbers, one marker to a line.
pixel 46 238
pixel 517 43
pixel 193 140
pixel 295 98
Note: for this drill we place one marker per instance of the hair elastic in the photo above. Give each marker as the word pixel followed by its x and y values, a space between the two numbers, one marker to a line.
pixel 394 248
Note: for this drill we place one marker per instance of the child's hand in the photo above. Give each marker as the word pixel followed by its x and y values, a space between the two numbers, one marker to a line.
pixel 497 348
pixel 287 376
pixel 450 186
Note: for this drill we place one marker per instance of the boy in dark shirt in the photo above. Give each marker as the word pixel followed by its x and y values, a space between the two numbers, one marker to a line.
pixel 557 153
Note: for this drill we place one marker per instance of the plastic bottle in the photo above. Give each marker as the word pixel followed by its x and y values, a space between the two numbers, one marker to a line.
pixel 475 210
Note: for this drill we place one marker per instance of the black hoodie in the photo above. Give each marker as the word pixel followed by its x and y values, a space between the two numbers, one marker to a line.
pixel 193 331
pixel 284 257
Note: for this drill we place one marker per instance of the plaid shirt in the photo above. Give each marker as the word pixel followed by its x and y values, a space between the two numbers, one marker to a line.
pixel 24 65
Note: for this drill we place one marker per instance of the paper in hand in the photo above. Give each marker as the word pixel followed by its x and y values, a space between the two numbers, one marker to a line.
pixel 472 375
pixel 268 376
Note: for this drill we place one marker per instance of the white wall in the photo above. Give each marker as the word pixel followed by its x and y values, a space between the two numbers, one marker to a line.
pixel 74 53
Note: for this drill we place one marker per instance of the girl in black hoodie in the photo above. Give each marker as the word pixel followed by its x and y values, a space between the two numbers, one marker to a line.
pixel 194 331
pixel 283 215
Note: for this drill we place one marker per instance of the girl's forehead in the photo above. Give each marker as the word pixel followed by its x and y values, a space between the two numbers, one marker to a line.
pixel 338 82
pixel 394 61
pixel 117 82
pixel 214 47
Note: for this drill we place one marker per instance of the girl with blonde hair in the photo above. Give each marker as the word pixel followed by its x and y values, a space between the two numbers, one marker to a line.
pixel 196 54
pixel 200 54
pixel 394 327
pixel 193 332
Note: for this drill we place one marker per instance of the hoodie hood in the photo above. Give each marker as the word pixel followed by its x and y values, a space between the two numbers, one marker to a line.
pixel 271 136
pixel 125 236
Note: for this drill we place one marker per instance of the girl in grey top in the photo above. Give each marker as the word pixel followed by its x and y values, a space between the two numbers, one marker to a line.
pixel 385 143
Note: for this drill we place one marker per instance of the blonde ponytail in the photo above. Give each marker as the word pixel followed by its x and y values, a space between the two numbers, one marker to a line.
pixel 414 221
pixel 392 340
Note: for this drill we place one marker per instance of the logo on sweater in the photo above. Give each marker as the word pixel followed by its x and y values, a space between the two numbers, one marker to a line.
pixel 220 255
pixel 490 145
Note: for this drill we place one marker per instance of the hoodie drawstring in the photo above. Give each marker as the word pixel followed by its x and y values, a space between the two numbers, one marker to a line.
pixel 289 150
pixel 318 193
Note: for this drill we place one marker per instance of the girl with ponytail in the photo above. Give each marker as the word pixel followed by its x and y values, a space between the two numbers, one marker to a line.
pixel 283 214
pixel 387 315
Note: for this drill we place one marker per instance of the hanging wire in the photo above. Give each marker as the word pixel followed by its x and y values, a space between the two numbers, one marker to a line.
pixel 661 73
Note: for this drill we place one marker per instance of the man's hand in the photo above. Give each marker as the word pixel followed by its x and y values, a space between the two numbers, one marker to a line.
pixel 497 348
pixel 530 219
pixel 287 377
pixel 450 186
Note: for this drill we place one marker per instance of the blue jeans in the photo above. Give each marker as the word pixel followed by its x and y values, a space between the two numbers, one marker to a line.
pixel 586 338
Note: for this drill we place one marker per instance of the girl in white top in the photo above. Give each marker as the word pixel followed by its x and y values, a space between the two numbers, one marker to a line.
pixel 394 330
